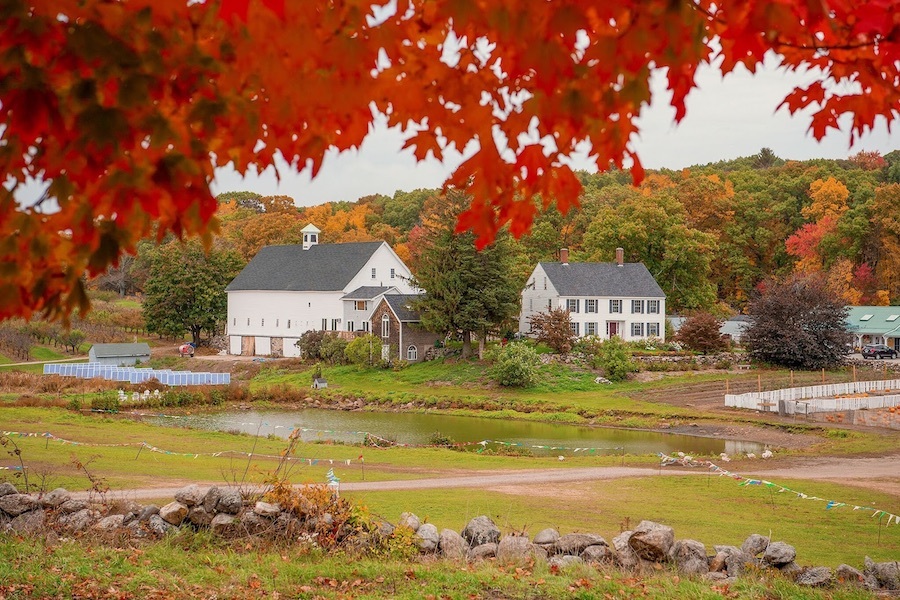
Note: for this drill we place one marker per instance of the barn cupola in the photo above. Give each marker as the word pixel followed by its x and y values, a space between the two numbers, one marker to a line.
pixel 310 236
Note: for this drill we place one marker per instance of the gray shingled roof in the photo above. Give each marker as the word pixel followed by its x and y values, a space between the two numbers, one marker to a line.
pixel 321 268
pixel 603 279
pixel 366 292
pixel 120 350
pixel 400 304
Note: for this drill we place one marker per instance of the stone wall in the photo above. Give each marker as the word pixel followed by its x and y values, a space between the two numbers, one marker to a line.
pixel 649 547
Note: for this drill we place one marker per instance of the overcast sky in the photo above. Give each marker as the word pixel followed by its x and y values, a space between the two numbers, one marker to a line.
pixel 726 118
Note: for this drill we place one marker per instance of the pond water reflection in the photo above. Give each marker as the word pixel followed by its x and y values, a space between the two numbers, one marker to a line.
pixel 418 429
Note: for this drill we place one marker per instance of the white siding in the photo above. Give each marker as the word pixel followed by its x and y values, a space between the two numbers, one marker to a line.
pixel 290 349
pixel 383 260
pixel 535 299
pixel 234 344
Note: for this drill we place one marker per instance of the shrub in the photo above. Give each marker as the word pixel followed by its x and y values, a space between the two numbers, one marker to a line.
pixel 700 332
pixel 364 350
pixel 310 344
pixel 332 349
pixel 554 328
pixel 106 402
pixel 615 359
pixel 515 365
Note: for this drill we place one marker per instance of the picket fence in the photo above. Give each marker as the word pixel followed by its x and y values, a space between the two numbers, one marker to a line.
pixel 820 398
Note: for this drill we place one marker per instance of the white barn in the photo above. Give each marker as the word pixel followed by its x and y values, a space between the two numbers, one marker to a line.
pixel 603 299
pixel 286 291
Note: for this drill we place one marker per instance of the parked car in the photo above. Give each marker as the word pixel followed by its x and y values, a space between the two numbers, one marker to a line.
pixel 878 351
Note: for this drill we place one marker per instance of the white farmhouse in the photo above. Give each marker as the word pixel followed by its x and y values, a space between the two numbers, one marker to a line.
pixel 603 299
pixel 286 291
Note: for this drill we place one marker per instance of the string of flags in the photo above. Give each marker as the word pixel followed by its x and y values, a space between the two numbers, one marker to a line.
pixel 689 461
pixel 150 448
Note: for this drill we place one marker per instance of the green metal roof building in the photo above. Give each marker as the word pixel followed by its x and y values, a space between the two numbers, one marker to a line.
pixel 874 325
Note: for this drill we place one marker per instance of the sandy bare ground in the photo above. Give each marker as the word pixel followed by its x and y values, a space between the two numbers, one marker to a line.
pixel 878 473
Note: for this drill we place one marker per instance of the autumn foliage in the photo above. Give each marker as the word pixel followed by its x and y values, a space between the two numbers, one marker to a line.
pixel 123 109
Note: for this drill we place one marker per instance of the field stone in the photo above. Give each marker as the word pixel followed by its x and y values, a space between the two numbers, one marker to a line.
pixel 410 520
pixel 779 554
pixel 71 506
pixel 575 543
pixel 546 536
pixel 173 513
pixel 791 569
pixel 814 577
pixel 514 549
pixel 689 557
pixel 625 555
pixel 147 512
pixel 28 523
pixel 452 545
pixel 6 488
pixel 211 499
pixel 199 516
pixel 481 530
pixel 428 537
pixel 157 526
pixel 252 523
pixel 482 552
pixel 266 509
pixel 16 504
pixel 755 544
pixel 887 574
pixel 55 498
pixel 736 560
pixel 76 521
pixel 598 554
pixel 230 501
pixel 847 574
pixel 110 523
pixel 563 561
pixel 190 495
pixel 652 541
pixel 717 564
pixel 222 524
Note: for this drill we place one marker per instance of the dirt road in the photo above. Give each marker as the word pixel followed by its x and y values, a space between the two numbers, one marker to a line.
pixel 880 473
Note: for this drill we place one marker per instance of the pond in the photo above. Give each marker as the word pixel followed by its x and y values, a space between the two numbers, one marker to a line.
pixel 418 429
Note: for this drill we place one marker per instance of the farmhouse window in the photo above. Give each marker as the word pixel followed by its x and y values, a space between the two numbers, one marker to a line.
pixel 412 354
pixel 615 306
pixel 385 326
pixel 653 307
pixel 590 306
pixel 572 305
pixel 637 307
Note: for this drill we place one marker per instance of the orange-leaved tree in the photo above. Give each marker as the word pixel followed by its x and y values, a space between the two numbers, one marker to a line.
pixel 122 110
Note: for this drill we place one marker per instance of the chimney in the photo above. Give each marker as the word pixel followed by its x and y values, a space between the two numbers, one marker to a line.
pixel 564 256
pixel 620 256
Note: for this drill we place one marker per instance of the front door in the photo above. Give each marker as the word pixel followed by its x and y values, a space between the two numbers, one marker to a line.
pixel 612 328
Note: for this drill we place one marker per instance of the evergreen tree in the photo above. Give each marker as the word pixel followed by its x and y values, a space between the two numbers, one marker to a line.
pixel 467 291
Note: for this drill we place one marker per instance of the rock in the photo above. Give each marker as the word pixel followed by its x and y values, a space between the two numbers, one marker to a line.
pixel 689 557
pixel 428 537
pixel 6 488
pixel 409 520
pixel 287 525
pixel 211 499
pixel 575 543
pixel 755 544
pixel 717 563
pixel 546 537
pixel 253 524
pixel 199 516
pixel 719 577
pixel 736 560
pixel 55 498
pixel 452 545
pixel 814 577
pixel 157 526
pixel 514 549
pixel 385 529
pixel 266 509
pixel 886 574
pixel 847 574
pixel 147 512
pixel 563 561
pixel 481 530
pixel 779 554
pixel 482 552
pixel 110 523
pixel 223 524
pixel 625 556
pixel 173 513
pixel 71 506
pixel 230 501
pixel 16 504
pixel 652 541
pixel 28 523
pixel 76 521
pixel 791 569
pixel 598 554
pixel 190 495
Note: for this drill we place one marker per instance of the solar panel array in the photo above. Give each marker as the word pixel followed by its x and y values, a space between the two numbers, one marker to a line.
pixel 136 375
